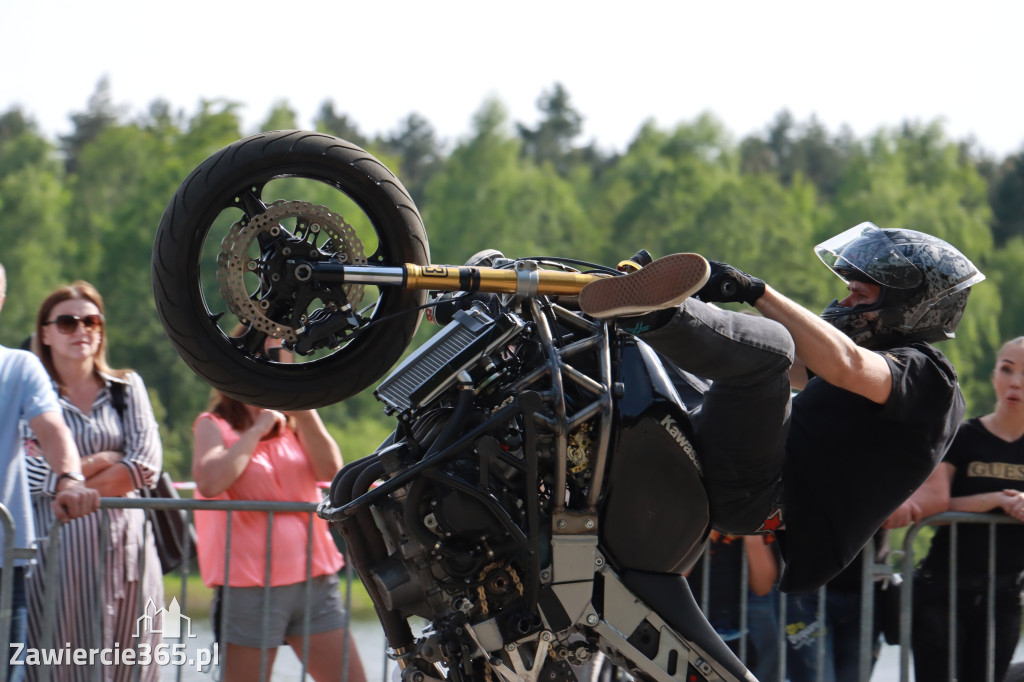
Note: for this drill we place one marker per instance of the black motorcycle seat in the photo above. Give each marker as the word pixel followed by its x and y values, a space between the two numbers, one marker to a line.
pixel 670 597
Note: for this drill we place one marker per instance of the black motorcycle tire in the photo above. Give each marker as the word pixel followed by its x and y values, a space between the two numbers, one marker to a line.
pixel 217 183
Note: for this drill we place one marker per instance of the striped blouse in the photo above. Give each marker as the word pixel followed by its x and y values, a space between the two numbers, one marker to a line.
pixel 104 429
pixel 82 566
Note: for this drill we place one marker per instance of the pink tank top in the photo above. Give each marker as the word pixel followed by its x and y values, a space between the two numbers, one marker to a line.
pixel 278 471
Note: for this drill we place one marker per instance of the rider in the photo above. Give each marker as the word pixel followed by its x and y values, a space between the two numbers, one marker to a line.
pixel 879 404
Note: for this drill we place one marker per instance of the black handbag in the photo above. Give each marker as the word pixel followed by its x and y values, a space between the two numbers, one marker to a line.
pixel 174 537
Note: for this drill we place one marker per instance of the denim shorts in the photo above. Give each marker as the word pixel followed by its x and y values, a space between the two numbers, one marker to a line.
pixel 245 625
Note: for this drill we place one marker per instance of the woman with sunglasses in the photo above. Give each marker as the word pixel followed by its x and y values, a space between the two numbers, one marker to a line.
pixel 103 586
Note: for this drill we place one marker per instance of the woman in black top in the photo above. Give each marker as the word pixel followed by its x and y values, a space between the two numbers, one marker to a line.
pixel 983 472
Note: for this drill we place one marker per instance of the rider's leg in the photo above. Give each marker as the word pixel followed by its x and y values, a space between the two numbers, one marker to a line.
pixel 743 423
pixel 744 420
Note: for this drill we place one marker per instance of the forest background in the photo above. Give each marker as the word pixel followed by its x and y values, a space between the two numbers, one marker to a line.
pixel 86 206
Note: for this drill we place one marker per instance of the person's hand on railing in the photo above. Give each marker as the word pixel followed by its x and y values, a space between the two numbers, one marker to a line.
pixel 74 500
pixel 906 514
pixel 1012 503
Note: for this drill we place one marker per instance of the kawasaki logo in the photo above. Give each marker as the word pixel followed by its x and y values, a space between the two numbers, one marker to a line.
pixel 679 437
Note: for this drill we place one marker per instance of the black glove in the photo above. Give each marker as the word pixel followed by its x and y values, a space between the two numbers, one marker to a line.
pixel 729 285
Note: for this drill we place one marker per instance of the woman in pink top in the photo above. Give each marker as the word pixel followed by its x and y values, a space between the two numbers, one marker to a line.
pixel 249 453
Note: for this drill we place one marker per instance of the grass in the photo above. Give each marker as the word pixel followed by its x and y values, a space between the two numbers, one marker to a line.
pixel 195 597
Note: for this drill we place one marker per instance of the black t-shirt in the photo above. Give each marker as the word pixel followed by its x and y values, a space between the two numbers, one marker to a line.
pixel 984 463
pixel 849 579
pixel 851 462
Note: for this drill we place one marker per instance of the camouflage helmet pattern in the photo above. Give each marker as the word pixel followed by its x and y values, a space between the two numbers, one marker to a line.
pixel 924 285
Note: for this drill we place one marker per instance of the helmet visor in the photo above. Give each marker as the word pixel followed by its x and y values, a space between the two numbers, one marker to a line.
pixel 866 252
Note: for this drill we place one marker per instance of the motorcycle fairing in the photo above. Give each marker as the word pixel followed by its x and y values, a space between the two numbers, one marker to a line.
pixel 655 517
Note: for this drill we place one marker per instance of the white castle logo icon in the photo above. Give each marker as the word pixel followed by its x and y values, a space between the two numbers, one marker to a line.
pixel 170 622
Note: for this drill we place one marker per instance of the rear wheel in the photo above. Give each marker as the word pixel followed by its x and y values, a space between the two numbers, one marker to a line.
pixel 224 276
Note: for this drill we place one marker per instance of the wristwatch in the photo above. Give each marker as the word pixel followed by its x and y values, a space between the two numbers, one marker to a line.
pixel 73 475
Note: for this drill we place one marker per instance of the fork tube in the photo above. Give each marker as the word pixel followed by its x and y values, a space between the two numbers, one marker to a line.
pixel 449 278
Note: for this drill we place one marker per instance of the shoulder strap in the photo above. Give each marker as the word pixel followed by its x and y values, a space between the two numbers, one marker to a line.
pixel 117 397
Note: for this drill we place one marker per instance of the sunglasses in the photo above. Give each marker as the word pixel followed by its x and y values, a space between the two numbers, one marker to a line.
pixel 68 324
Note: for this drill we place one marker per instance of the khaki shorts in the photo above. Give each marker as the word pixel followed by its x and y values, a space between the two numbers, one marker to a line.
pixel 245 625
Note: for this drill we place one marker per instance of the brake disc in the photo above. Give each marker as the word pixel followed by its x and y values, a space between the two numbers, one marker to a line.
pixel 311 222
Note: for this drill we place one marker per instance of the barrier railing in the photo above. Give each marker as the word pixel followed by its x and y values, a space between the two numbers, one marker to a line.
pixel 906 594
pixel 48 551
pixel 870 572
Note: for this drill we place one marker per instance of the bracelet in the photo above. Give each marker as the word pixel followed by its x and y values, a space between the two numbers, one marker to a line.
pixel 71 475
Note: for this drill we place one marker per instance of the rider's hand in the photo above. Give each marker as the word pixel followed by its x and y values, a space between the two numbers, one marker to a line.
pixel 729 285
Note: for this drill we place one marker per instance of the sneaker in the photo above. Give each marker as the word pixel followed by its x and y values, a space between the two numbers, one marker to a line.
pixel 665 283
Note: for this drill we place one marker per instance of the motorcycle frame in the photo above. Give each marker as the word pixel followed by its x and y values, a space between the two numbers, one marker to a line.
pixel 576 555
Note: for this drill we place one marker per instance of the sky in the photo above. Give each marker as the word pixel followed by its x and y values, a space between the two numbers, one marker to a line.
pixel 867 65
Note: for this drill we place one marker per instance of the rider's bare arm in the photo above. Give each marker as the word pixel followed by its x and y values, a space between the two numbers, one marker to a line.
pixel 828 352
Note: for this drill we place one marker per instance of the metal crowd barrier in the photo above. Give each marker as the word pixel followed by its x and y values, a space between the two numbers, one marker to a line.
pixel 869 574
pixel 906 596
pixel 180 576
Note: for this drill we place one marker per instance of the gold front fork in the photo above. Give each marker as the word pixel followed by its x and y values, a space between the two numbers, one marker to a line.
pixel 525 280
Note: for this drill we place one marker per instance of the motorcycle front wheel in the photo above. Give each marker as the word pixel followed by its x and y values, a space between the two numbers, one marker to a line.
pixel 224 275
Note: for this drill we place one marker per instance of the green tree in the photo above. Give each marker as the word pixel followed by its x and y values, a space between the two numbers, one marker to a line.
pixel 330 122
pixel 420 155
pixel 790 149
pixel 1006 194
pixel 551 141
pixel 281 117
pixel 33 207
pixel 21 145
pixel 489 197
pixel 665 180
pixel 100 114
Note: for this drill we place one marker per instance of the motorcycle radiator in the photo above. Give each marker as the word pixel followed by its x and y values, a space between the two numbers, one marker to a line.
pixel 433 368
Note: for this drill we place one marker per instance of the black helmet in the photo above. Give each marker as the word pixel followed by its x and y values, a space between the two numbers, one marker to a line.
pixel 924 280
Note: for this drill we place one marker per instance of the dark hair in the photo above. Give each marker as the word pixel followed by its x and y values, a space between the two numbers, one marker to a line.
pixel 233 411
pixel 78 290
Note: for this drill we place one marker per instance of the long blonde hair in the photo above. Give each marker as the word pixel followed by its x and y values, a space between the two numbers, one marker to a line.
pixel 1018 341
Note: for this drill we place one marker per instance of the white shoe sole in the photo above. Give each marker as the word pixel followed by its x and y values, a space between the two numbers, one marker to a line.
pixel 665 283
